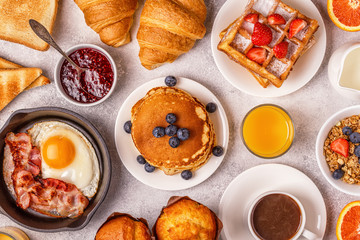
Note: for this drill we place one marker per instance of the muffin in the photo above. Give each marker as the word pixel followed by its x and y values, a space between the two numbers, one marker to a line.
pixel 120 226
pixel 184 218
pixel 151 111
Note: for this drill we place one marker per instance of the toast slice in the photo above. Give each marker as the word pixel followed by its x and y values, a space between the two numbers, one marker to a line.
pixel 15 16
pixel 40 81
pixel 14 81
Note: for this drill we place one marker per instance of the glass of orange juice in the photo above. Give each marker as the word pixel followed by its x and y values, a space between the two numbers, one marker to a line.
pixel 267 131
pixel 12 233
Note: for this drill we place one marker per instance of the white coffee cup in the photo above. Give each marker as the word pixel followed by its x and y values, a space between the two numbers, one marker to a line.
pixel 301 228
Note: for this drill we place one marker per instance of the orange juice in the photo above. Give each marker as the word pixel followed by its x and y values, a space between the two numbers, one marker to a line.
pixel 4 236
pixel 12 233
pixel 267 131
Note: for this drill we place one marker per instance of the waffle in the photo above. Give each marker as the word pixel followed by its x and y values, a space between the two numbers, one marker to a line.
pixel 236 41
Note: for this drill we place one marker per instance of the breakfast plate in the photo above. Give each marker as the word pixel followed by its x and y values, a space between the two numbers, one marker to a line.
pixel 157 179
pixel 241 192
pixel 20 121
pixel 304 69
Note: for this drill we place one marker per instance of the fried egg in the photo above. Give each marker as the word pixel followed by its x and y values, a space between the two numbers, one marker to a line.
pixel 67 155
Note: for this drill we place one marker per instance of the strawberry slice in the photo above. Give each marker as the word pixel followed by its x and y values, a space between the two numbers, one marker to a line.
pixel 296 26
pixel 276 19
pixel 281 49
pixel 257 54
pixel 262 35
pixel 252 18
pixel 340 146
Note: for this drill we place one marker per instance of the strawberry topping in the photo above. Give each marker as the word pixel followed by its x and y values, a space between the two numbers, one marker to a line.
pixel 340 146
pixel 296 26
pixel 262 35
pixel 257 54
pixel 252 18
pixel 276 19
pixel 281 49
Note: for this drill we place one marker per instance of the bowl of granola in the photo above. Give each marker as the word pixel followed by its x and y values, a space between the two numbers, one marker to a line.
pixel 338 150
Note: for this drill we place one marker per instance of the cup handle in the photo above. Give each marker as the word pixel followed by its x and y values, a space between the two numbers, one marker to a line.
pixel 309 235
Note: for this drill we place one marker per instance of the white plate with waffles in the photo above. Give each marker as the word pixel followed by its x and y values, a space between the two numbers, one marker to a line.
pixel 157 179
pixel 243 190
pixel 304 69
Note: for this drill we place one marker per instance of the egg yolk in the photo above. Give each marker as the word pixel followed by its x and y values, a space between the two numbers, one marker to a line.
pixel 58 152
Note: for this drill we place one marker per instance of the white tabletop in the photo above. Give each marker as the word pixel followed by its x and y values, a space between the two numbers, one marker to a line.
pixel 309 107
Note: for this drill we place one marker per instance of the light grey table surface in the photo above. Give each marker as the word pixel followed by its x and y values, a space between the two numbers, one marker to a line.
pixel 309 107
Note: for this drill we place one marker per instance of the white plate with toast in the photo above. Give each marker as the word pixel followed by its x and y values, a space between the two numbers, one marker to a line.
pixel 157 179
pixel 243 190
pixel 303 71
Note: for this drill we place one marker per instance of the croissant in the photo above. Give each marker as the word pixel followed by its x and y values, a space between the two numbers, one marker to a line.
pixel 111 19
pixel 169 28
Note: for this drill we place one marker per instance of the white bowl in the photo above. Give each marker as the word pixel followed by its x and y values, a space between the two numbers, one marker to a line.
pixel 352 189
pixel 60 63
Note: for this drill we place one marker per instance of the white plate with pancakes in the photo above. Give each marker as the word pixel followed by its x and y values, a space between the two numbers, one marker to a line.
pixel 247 186
pixel 157 179
pixel 304 69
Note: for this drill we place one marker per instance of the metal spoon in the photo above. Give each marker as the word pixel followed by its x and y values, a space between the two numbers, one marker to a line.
pixel 44 34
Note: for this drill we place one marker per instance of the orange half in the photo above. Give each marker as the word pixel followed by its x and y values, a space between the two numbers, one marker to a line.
pixel 348 224
pixel 345 14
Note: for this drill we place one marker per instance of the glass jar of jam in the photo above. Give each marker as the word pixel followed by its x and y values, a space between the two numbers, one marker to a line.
pixel 92 85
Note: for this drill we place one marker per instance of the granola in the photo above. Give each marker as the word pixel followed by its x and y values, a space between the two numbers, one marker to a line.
pixel 350 165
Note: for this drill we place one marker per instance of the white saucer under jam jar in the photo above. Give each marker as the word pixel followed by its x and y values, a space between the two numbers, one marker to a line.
pixel 94 85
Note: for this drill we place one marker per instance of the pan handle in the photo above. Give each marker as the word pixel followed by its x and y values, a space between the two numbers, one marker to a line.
pixel 2 212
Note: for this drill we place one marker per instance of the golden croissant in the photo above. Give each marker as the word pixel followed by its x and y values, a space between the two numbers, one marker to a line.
pixel 169 28
pixel 111 19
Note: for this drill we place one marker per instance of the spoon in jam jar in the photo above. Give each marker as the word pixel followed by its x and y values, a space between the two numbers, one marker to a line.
pixel 44 34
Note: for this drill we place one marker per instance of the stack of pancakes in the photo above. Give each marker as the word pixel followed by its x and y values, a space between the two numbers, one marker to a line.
pixel 150 112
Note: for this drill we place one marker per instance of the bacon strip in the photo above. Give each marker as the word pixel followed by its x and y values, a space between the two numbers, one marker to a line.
pixel 52 197
pixel 8 169
pixel 23 154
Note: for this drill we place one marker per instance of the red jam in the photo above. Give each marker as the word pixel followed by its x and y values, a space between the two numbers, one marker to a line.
pixel 94 83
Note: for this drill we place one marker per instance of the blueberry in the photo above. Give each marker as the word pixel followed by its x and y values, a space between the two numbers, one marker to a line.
pixel 171 118
pixel 211 107
pixel 338 173
pixel 218 151
pixel 186 174
pixel 158 132
pixel 183 134
pixel 127 127
pixel 355 137
pixel 174 142
pixel 170 81
pixel 149 168
pixel 140 159
pixel 347 130
pixel 357 151
pixel 171 130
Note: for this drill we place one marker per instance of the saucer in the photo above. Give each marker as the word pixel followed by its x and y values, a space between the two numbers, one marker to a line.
pixel 241 192
pixel 304 69
pixel 157 179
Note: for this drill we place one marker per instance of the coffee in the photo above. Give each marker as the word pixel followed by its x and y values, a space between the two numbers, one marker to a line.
pixel 276 217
